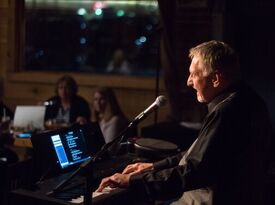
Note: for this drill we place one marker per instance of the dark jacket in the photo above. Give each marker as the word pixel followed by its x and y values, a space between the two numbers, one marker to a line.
pixel 7 110
pixel 79 107
pixel 229 157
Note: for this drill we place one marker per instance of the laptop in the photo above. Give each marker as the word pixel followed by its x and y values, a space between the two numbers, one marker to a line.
pixel 29 117
pixel 65 149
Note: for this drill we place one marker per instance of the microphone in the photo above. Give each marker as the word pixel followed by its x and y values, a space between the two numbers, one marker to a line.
pixel 160 101
pixel 49 102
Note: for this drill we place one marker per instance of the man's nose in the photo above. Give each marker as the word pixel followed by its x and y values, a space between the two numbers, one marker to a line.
pixel 189 81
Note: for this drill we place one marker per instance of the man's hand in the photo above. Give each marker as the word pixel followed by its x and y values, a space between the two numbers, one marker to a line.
pixel 138 168
pixel 116 180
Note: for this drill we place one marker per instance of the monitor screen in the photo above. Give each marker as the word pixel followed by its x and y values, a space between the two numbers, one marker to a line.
pixel 70 147
pixel 65 149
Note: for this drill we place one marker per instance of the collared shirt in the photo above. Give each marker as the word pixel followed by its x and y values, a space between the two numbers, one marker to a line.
pixel 63 115
pixel 229 156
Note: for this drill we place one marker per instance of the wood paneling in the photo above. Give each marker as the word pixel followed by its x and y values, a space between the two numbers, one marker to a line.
pixel 3 33
pixel 3 57
pixel 4 4
pixel 4 26
pixel 87 79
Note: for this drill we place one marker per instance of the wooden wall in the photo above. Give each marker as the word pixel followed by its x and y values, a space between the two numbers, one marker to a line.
pixel 26 88
pixel 4 22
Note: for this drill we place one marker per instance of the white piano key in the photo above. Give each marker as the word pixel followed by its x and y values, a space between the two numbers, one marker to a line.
pixel 78 200
pixel 95 194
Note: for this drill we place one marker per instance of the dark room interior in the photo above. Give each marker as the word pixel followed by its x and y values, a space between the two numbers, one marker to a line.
pixel 138 50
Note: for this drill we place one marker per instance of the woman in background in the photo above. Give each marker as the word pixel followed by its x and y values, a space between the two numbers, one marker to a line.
pixel 108 113
pixel 119 63
pixel 67 107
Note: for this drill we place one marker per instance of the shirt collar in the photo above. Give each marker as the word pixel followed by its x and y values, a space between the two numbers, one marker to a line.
pixel 219 98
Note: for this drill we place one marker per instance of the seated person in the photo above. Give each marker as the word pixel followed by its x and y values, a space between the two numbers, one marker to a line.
pixel 108 113
pixel 7 155
pixel 228 162
pixel 67 107
pixel 119 63
pixel 5 113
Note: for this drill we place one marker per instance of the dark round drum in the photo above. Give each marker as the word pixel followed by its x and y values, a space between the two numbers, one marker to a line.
pixel 154 148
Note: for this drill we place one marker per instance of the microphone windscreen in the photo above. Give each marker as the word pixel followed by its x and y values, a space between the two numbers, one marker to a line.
pixel 49 103
pixel 161 100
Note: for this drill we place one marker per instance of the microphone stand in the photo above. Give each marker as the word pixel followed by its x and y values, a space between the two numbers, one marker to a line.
pixel 87 165
pixel 158 71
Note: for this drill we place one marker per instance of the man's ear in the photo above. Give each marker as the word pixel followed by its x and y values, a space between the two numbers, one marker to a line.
pixel 216 78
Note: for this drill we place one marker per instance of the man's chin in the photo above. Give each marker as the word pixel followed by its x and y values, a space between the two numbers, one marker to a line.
pixel 200 99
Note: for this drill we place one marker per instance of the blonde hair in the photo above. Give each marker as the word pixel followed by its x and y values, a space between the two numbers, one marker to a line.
pixel 217 56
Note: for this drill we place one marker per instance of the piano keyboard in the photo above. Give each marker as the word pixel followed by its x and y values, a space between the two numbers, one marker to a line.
pixel 80 199
pixel 73 192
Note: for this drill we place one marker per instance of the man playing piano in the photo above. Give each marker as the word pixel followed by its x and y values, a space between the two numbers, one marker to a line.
pixel 227 163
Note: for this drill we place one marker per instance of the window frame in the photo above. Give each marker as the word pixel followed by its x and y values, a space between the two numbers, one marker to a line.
pixel 17 74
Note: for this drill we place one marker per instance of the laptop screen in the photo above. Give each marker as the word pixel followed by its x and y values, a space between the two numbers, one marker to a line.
pixel 66 148
pixel 70 147
pixel 29 117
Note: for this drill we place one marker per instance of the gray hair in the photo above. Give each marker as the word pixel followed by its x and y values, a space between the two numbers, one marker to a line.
pixel 217 56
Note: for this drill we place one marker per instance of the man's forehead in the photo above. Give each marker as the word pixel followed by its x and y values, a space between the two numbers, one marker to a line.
pixel 196 64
